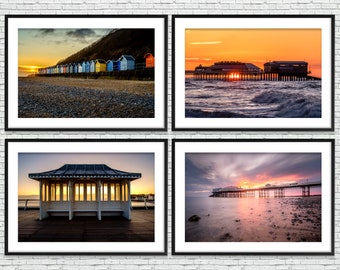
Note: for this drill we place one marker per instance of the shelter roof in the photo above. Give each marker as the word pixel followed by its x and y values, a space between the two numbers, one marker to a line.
pixel 80 171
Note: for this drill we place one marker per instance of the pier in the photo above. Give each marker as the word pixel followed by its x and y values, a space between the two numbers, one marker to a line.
pixel 239 71
pixel 208 75
pixel 276 191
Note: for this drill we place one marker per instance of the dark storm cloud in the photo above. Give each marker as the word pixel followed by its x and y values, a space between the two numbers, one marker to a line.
pixel 205 171
pixel 46 31
pixel 196 176
pixel 277 165
pixel 81 33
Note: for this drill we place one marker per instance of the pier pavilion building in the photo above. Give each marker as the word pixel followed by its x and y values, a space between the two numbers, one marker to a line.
pixel 85 189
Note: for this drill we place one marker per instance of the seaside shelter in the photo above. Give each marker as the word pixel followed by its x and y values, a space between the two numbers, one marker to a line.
pixel 149 60
pixel 127 62
pixel 84 190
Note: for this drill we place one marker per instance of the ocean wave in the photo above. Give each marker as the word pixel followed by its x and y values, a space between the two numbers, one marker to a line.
pixel 196 113
pixel 291 105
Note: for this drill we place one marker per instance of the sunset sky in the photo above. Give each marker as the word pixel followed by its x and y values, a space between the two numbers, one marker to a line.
pixel 206 171
pixel 257 46
pixel 45 47
pixel 40 162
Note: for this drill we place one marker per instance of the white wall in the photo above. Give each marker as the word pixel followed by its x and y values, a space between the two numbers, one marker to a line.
pixel 170 7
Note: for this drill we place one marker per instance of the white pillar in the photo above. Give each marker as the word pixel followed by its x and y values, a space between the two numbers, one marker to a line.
pixel 99 188
pixel 40 200
pixel 70 199
pixel 129 200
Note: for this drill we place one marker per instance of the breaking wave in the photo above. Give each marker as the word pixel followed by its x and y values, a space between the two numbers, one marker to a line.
pixel 220 99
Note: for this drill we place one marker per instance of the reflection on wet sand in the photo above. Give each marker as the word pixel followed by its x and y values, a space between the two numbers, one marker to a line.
pixel 291 219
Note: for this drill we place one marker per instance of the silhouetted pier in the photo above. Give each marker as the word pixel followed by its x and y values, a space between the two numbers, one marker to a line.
pixel 278 191
pixel 239 71
pixel 209 75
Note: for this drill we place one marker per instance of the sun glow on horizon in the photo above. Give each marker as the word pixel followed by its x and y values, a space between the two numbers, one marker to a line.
pixel 256 46
pixel 41 162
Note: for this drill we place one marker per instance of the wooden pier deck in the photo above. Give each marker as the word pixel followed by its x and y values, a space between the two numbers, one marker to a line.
pixel 87 229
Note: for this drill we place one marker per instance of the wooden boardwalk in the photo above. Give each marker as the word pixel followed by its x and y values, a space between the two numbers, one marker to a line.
pixel 87 229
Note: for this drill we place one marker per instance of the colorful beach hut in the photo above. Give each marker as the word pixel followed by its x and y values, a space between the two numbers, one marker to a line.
pixel 85 190
pixel 112 65
pixel 92 66
pixel 149 60
pixel 127 62
pixel 80 68
pixel 100 65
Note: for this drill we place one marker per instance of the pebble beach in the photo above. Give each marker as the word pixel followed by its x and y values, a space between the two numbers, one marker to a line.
pixel 60 97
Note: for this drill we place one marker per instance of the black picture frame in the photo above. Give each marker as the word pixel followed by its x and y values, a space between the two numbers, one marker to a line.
pixel 207 117
pixel 135 242
pixel 227 245
pixel 46 122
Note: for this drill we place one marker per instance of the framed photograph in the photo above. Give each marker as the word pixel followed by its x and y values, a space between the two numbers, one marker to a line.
pixel 86 197
pixel 253 197
pixel 253 72
pixel 88 72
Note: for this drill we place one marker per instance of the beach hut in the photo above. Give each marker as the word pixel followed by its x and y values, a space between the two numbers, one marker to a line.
pixel 109 66
pixel 75 68
pixel 149 60
pixel 80 68
pixel 92 66
pixel 127 62
pixel 87 66
pixel 112 65
pixel 100 65
pixel 86 190
pixel 83 66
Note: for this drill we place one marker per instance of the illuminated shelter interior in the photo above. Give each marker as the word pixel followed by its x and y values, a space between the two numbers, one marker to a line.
pixel 85 189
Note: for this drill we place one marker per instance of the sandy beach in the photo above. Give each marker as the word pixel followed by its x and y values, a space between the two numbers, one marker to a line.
pixel 59 97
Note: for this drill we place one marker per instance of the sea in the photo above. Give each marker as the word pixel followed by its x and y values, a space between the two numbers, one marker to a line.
pixel 244 99
pixel 289 219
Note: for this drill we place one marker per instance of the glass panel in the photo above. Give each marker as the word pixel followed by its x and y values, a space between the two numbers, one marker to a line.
pixel 81 192
pixel 118 192
pixel 43 193
pixel 93 193
pixel 47 192
pixel 126 192
pixel 113 187
pixel 123 192
pixel 52 192
pixel 88 192
pixel 57 192
pixel 76 192
pixel 65 192
pixel 105 192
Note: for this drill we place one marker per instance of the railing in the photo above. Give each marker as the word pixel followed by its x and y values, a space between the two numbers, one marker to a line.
pixel 134 203
pixel 26 206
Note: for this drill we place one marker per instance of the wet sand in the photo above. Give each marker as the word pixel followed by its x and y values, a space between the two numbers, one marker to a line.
pixel 85 98
pixel 255 220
